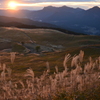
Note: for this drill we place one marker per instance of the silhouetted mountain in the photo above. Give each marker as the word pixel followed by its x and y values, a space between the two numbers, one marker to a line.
pixel 74 19
pixel 79 9
pixel 38 15
pixel 49 8
pixel 42 14
pixel 25 21
pixel 95 9
pixel 78 20
pixel 16 24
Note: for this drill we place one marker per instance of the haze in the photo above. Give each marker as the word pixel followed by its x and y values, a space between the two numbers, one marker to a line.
pixel 36 5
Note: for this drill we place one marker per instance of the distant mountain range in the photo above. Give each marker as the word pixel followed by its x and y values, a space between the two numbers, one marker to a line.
pixel 74 19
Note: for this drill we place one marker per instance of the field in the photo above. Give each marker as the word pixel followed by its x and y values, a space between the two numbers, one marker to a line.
pixel 54 45
pixel 47 37
pixel 60 43
pixel 76 78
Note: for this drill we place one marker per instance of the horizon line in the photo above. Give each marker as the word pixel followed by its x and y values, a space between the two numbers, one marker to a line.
pixel 37 6
pixel 48 6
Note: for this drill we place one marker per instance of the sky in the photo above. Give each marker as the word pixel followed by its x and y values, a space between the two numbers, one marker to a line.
pixel 39 4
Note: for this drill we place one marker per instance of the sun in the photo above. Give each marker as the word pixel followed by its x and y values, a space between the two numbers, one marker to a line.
pixel 12 5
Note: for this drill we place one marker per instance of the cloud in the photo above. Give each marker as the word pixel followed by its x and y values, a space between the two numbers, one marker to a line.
pixel 50 0
pixel 58 0
pixel 35 4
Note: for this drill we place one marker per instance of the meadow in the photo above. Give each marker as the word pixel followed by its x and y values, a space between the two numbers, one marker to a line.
pixel 70 72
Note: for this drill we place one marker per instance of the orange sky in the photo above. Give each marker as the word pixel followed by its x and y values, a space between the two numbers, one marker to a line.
pixel 40 5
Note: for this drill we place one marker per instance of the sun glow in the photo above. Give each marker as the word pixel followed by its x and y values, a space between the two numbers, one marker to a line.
pixel 18 5
pixel 12 5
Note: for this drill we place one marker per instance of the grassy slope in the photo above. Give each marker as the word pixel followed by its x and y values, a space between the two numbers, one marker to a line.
pixel 48 36
pixel 58 38
pixel 13 34
pixel 73 44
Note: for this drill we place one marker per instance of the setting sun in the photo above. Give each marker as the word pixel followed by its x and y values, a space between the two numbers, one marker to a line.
pixel 12 4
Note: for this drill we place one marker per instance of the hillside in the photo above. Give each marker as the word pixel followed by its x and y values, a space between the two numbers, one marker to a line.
pixel 46 39
pixel 4 20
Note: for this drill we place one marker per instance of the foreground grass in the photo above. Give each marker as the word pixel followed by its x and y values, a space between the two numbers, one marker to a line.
pixel 78 79
pixel 23 62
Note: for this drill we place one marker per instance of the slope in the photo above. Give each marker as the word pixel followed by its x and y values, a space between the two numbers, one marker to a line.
pixel 48 39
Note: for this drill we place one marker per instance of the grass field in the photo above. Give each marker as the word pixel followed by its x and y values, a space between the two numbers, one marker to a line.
pixel 72 44
pixel 47 37
pixel 68 83
pixel 38 62
pixel 19 39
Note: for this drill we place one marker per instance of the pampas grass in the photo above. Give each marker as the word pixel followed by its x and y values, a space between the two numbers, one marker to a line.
pixel 13 55
pixel 65 85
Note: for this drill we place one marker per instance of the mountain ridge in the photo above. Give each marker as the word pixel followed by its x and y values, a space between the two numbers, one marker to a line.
pixel 73 19
pixel 15 22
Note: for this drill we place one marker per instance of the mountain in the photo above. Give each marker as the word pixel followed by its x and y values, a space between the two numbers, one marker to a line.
pixel 94 10
pixel 17 24
pixel 50 10
pixel 83 21
pixel 40 14
pixel 73 19
pixel 10 21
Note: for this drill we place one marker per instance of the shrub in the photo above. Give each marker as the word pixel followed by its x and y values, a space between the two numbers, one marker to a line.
pixel 18 48
pixel 37 48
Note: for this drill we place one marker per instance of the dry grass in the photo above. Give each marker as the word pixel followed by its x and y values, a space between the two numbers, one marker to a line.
pixel 47 37
pixel 77 80
pixel 49 76
pixel 13 34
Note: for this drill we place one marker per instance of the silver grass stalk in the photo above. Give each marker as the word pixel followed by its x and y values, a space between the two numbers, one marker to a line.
pixel 67 57
pixel 78 69
pixel 9 70
pixel 4 67
pixel 81 55
pixel 47 86
pixel 15 85
pixel 13 55
pixel 30 73
pixel 75 61
pixel 22 84
pixel 56 67
pixel 48 67
pixel 3 75
pixel 0 66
